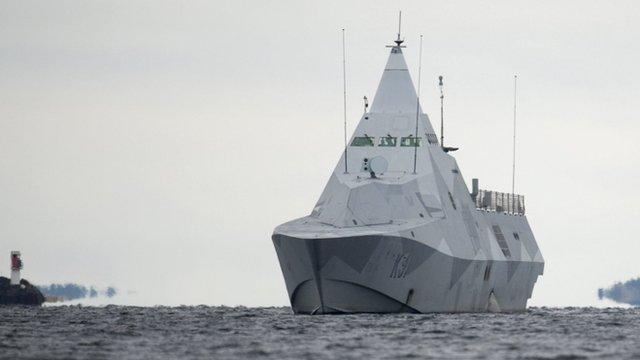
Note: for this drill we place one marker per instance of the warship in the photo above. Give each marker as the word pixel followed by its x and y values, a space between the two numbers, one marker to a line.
pixel 396 228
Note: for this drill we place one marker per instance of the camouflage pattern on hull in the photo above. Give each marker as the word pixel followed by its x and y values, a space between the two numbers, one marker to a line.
pixel 387 274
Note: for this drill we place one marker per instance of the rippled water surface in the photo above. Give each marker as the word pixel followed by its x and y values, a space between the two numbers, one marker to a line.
pixel 64 332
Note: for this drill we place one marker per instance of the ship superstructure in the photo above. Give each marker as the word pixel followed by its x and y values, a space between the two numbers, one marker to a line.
pixel 385 238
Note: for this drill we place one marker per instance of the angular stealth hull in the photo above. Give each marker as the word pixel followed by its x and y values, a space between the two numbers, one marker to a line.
pixel 405 239
pixel 391 273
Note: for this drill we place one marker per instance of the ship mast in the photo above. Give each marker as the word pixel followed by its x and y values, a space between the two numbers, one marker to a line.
pixel 444 148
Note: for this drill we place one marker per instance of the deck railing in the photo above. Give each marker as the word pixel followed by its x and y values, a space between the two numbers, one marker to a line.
pixel 499 202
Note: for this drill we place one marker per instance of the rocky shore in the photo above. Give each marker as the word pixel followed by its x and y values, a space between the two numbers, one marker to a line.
pixel 23 294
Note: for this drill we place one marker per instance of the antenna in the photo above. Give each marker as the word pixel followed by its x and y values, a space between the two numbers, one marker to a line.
pixel 513 168
pixel 415 147
pixel 344 97
pixel 444 148
pixel 399 41
pixel 366 103
pixel 441 87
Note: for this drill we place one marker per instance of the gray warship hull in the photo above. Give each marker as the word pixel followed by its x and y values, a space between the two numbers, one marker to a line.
pixel 384 284
pixel 395 274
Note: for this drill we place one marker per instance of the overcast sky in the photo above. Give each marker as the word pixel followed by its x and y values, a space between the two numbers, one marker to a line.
pixel 155 145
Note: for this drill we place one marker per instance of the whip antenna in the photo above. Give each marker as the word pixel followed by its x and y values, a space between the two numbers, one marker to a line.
pixel 399 23
pixel 441 87
pixel 344 97
pixel 415 148
pixel 513 167
pixel 399 41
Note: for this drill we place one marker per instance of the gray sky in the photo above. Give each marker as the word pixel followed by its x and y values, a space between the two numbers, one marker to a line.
pixel 155 145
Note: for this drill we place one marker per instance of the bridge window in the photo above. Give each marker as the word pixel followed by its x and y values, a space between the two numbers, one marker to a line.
pixel 411 141
pixel 388 141
pixel 362 141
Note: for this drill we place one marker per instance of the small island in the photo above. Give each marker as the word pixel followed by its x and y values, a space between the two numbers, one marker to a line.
pixel 627 292
pixel 17 291
pixel 22 294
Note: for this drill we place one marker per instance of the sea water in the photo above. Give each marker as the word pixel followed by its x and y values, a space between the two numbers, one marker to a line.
pixel 121 332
